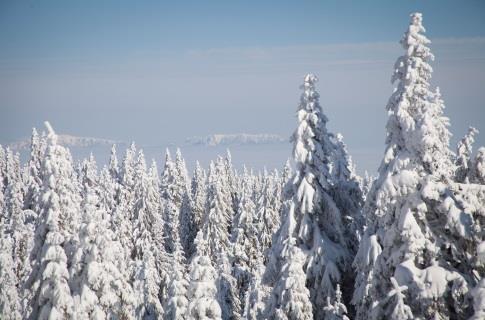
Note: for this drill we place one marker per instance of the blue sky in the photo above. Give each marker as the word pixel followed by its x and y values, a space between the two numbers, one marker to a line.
pixel 157 72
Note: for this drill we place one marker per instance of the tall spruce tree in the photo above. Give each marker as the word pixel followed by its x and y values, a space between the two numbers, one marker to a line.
pixel 320 230
pixel 147 280
pixel 100 290
pixel 464 154
pixel 51 296
pixel 198 196
pixel 405 267
pixel 10 302
pixel 203 304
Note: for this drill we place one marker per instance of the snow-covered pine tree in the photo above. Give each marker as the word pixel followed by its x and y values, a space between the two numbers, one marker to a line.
pixel 50 293
pixel 176 302
pixel 110 188
pixel 2 186
pixel 10 302
pixel 293 300
pixel 245 240
pixel 128 165
pixel 267 212
pixel 101 291
pixel 231 180
pixel 34 180
pixel 113 165
pixel 254 300
pixel 107 188
pixel 405 270
pixel 122 216
pixel 198 196
pixel 161 256
pixel 464 151
pixel 227 293
pixel 337 310
pixel 320 230
pixel 3 169
pixel 215 227
pixel 479 301
pixel 202 297
pixel 286 175
pixel 146 277
pixel 173 188
pixel 187 221
pixel 278 276
pixel 478 171
pixel 146 288
pixel 20 231
pixel 348 196
pixel 215 232
pixel 367 181
pixel 13 187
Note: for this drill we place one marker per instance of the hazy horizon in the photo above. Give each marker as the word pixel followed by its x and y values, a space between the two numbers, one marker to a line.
pixel 156 73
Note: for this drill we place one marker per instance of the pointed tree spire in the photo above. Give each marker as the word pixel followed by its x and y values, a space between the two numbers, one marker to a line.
pixel 318 217
pixel 114 169
pixel 198 196
pixel 202 296
pixel 405 224
pixel 51 295
pixel 463 155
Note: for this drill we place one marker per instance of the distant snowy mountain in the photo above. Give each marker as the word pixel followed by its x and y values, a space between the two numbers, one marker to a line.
pixel 235 139
pixel 68 141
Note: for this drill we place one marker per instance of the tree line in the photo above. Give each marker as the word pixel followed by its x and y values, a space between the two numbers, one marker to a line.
pixel 311 241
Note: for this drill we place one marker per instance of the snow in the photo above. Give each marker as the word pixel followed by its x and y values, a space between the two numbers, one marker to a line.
pixel 70 141
pixel 235 139
pixel 125 242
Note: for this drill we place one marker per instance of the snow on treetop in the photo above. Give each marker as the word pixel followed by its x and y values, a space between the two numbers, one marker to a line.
pixel 310 79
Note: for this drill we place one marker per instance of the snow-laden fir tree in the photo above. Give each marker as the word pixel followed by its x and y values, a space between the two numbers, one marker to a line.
pixel 286 175
pixel 16 234
pixel 294 300
pixel 254 300
pixel 268 210
pixel 463 155
pixel 176 304
pixel 2 185
pixel 10 302
pixel 161 256
pixel 175 301
pixel 107 189
pixel 215 232
pixel 336 310
pixel 198 196
pixel 246 253
pixel 34 180
pixel 51 296
pixel 405 270
pixel 3 170
pixel 478 170
pixel 348 196
pixel 13 187
pixel 147 280
pixel 173 190
pixel 186 216
pixel 458 209
pixel 21 231
pixel 202 297
pixel 321 231
pixel 215 226
pixel 122 216
pixel 479 301
pixel 113 165
pixel 227 291
pixel 99 288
